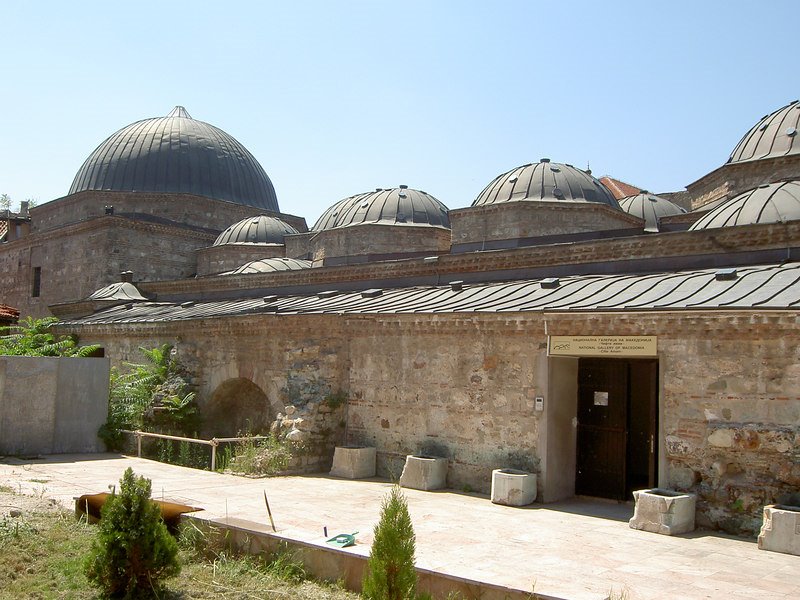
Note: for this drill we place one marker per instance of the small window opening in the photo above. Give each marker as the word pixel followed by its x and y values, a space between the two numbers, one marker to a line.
pixel 37 282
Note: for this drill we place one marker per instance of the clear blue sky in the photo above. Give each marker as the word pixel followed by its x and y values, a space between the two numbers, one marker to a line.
pixel 339 97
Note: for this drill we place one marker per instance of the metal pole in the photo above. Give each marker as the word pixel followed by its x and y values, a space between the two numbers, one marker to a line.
pixel 214 457
pixel 139 444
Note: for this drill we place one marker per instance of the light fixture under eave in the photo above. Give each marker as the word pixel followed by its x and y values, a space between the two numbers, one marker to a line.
pixel 726 274
pixel 550 282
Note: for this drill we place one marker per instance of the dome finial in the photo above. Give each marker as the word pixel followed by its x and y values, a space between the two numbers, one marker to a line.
pixel 179 111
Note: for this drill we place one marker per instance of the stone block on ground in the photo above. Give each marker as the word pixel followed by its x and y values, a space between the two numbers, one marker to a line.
pixel 513 487
pixel 663 511
pixel 424 473
pixel 780 531
pixel 353 462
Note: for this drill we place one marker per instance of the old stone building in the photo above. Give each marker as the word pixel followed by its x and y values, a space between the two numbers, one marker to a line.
pixel 607 345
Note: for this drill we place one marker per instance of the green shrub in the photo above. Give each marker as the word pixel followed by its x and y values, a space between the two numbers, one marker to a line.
pixel 390 569
pixel 133 550
pixel 266 456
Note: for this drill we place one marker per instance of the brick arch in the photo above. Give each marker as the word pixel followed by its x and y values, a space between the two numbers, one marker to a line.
pixel 237 405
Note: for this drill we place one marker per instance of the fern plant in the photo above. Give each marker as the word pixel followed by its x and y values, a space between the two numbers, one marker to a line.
pixel 34 337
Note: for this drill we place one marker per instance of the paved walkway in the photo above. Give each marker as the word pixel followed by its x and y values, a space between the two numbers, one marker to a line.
pixel 576 550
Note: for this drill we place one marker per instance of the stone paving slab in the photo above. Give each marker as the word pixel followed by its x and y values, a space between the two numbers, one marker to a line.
pixel 575 550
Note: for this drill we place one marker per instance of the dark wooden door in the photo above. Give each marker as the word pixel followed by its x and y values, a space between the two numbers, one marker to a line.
pixel 602 428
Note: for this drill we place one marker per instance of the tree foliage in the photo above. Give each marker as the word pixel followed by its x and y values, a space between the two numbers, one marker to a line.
pixel 133 551
pixel 151 396
pixel 390 569
pixel 34 337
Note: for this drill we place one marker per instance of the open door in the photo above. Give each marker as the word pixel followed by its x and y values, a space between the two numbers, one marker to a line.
pixel 616 434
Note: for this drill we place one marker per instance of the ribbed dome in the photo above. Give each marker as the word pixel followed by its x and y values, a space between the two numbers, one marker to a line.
pixel 768 203
pixel 270 265
pixel 546 180
pixel 256 230
pixel 397 206
pixel 774 135
pixel 177 154
pixel 649 207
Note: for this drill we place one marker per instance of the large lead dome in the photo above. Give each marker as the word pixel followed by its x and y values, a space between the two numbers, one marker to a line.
pixel 177 154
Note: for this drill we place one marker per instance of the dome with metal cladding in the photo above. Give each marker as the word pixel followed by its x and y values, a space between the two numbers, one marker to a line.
pixel 260 229
pixel 545 180
pixel 180 155
pixel 649 207
pixel 768 203
pixel 270 265
pixel 396 206
pixel 773 136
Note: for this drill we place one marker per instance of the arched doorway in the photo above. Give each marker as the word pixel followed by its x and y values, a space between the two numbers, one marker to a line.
pixel 236 407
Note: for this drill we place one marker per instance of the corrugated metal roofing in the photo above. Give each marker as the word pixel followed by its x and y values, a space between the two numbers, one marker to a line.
pixel 768 203
pixel 760 287
pixel 260 229
pixel 121 290
pixel 774 135
pixel 270 265
pixel 649 207
pixel 177 154
pixel 546 180
pixel 397 206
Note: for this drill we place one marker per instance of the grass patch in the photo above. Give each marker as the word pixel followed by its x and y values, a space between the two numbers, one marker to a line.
pixel 42 554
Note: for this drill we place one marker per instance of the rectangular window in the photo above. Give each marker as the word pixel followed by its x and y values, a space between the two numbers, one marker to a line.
pixel 37 282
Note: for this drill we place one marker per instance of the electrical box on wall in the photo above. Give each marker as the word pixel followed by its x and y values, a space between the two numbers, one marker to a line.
pixel 539 403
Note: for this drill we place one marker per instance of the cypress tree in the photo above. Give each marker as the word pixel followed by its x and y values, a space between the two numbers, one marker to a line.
pixel 390 569
pixel 133 550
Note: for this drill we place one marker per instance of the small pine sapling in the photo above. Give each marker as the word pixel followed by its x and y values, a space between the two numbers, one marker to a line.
pixel 133 551
pixel 390 569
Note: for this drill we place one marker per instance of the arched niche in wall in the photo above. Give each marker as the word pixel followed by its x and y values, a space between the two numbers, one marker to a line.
pixel 237 407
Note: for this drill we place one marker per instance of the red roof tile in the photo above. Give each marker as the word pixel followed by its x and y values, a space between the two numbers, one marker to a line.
pixel 620 189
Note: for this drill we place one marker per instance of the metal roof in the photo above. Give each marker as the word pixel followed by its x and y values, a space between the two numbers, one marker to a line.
pixel 649 207
pixel 177 154
pixel 760 287
pixel 121 290
pixel 396 206
pixel 260 229
pixel 774 135
pixel 768 203
pixel 546 180
pixel 269 265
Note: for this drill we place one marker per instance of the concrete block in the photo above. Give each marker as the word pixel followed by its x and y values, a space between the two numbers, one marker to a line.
pixel 780 531
pixel 512 487
pixel 353 462
pixel 663 511
pixel 424 473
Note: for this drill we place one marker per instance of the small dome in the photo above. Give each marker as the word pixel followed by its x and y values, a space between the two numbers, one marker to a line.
pixel 768 203
pixel 397 206
pixel 122 290
pixel 270 265
pixel 649 207
pixel 545 180
pixel 180 155
pixel 256 230
pixel 774 135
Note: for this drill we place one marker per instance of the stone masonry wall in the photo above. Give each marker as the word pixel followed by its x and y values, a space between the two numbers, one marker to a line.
pixel 526 219
pixel 373 240
pixel 77 260
pixel 733 179
pixel 456 387
pixel 193 211
pixel 464 386
pixel 227 257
